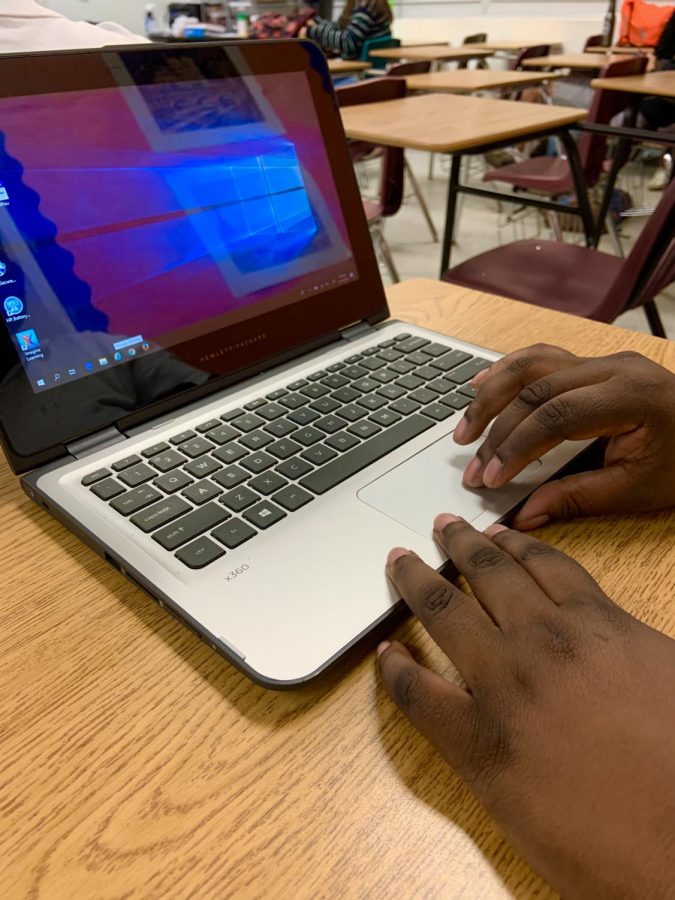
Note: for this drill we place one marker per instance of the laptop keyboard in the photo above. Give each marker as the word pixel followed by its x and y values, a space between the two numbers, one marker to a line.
pixel 211 489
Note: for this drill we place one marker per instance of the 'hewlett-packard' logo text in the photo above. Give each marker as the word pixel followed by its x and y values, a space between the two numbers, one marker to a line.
pixel 230 348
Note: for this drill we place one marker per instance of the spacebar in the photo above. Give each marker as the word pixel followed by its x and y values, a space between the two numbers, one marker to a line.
pixel 332 473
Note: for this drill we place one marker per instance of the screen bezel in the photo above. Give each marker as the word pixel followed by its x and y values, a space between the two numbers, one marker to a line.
pixel 231 353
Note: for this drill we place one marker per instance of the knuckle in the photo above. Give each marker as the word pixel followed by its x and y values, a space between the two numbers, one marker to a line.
pixel 537 549
pixel 491 750
pixel 535 395
pixel 558 642
pixel 435 598
pixel 520 364
pixel 486 558
pixel 573 506
pixel 554 414
pixel 405 689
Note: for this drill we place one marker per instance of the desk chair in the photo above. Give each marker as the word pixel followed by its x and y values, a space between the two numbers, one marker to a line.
pixel 595 40
pixel 580 280
pixel 393 167
pixel 479 38
pixel 377 43
pixel 551 175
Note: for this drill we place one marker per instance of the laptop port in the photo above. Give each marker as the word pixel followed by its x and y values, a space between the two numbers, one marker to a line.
pixel 113 562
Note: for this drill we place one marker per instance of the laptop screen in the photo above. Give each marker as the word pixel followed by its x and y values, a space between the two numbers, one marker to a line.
pixel 169 217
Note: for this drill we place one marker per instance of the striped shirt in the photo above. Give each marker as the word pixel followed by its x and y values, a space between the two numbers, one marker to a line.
pixel 366 22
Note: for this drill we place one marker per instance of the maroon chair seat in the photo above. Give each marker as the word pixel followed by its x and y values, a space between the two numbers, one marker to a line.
pixel 580 280
pixel 544 174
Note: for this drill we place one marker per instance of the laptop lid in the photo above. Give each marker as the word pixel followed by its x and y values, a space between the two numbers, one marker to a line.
pixel 172 219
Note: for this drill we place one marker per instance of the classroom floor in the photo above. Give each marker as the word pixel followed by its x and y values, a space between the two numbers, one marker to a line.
pixel 481 226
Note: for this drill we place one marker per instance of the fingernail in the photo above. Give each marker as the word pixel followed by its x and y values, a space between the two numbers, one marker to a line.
pixel 382 646
pixel 479 378
pixel 493 472
pixel 472 474
pixel 460 432
pixel 494 529
pixel 530 524
pixel 444 519
pixel 395 554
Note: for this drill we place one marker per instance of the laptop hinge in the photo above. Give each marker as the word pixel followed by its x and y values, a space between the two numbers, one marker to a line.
pixel 352 332
pixel 94 442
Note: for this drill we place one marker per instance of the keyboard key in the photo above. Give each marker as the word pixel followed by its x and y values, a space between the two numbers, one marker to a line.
pixel 258 462
pixel 125 463
pixel 182 437
pixel 272 411
pixel 411 344
pixel 390 355
pixel 423 395
pixel 294 468
pixel 385 417
pixel 335 367
pixel 200 553
pixel 200 468
pixel 275 395
pixel 284 448
pixel 469 392
pixel 267 483
pixel 404 406
pixel 345 395
pixel 331 424
pixel 373 363
pixel 370 351
pixel 466 371
pixel 264 514
pixel 391 391
pixel 229 453
pixel 202 491
pixel 352 412
pixel 438 411
pixel 315 391
pixel 384 345
pixel 231 476
pixel 454 401
pixel 168 509
pixel 294 401
pixel 402 367
pixel 337 471
pixel 172 481
pixel 190 526
pixel 292 497
pixel 98 475
pixel 426 372
pixel 355 372
pixel 342 441
pixel 385 376
pixel 107 489
pixel 365 385
pixel 401 337
pixel 233 414
pixel 296 385
pixel 207 426
pixel 335 381
pixel 254 440
pixel 222 434
pixel 303 416
pixel 281 427
pixel 254 404
pixel 307 436
pixel 440 386
pixel 135 475
pixel 239 499
pixel 155 450
pixel 372 401
pixel 364 428
pixel 168 460
pixel 248 422
pixel 419 358
pixel 324 405
pixel 450 360
pixel 355 358
pixel 233 533
pixel 135 500
pixel 435 349
pixel 318 454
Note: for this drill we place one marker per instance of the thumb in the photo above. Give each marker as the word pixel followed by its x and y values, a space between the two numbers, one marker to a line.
pixel 587 494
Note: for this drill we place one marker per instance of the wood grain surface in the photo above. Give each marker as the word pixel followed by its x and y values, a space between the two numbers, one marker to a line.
pixel 135 763
pixel 445 123
pixel 465 81
pixel 346 66
pixel 589 61
pixel 660 84
pixel 434 53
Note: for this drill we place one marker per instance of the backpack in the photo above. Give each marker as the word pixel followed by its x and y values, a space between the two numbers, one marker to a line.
pixel 642 23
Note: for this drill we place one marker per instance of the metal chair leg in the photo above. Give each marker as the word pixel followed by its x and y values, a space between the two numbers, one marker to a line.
pixel 431 166
pixel 614 236
pixel 386 255
pixel 554 225
pixel 420 199
pixel 654 319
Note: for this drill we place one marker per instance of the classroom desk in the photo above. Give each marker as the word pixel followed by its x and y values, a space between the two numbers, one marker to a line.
pixel 658 84
pixel 618 49
pixel 435 53
pixel 588 62
pixel 347 66
pixel 466 81
pixel 515 46
pixel 136 763
pixel 445 123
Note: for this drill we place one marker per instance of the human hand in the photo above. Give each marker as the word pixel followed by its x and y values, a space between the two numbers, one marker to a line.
pixel 543 395
pixel 566 727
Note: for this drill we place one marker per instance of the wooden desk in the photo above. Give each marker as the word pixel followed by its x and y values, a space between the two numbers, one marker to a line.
pixel 590 62
pixel 443 123
pixel 466 81
pixel 625 51
pixel 515 46
pixel 658 84
pixel 136 763
pixel 347 66
pixel 435 53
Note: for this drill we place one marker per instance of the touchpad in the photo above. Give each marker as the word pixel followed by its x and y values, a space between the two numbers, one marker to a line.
pixel 431 482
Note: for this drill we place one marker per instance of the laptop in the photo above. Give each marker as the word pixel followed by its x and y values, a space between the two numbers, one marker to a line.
pixel 199 376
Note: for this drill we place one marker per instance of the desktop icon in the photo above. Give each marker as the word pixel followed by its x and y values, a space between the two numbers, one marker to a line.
pixel 3 193
pixel 57 376
pixel 28 340
pixel 145 346
pixel 103 361
pixel 40 382
pixel 13 306
pixel 3 269
pixel 131 351
pixel 72 372
pixel 89 366
pixel 118 356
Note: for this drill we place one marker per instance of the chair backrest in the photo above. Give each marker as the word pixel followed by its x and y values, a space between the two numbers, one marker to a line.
pixel 650 265
pixel 378 43
pixel 530 53
pixel 479 38
pixel 605 106
pixel 400 70
pixel 595 40
pixel 377 90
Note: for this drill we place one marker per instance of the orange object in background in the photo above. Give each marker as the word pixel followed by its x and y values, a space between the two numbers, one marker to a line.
pixel 642 23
